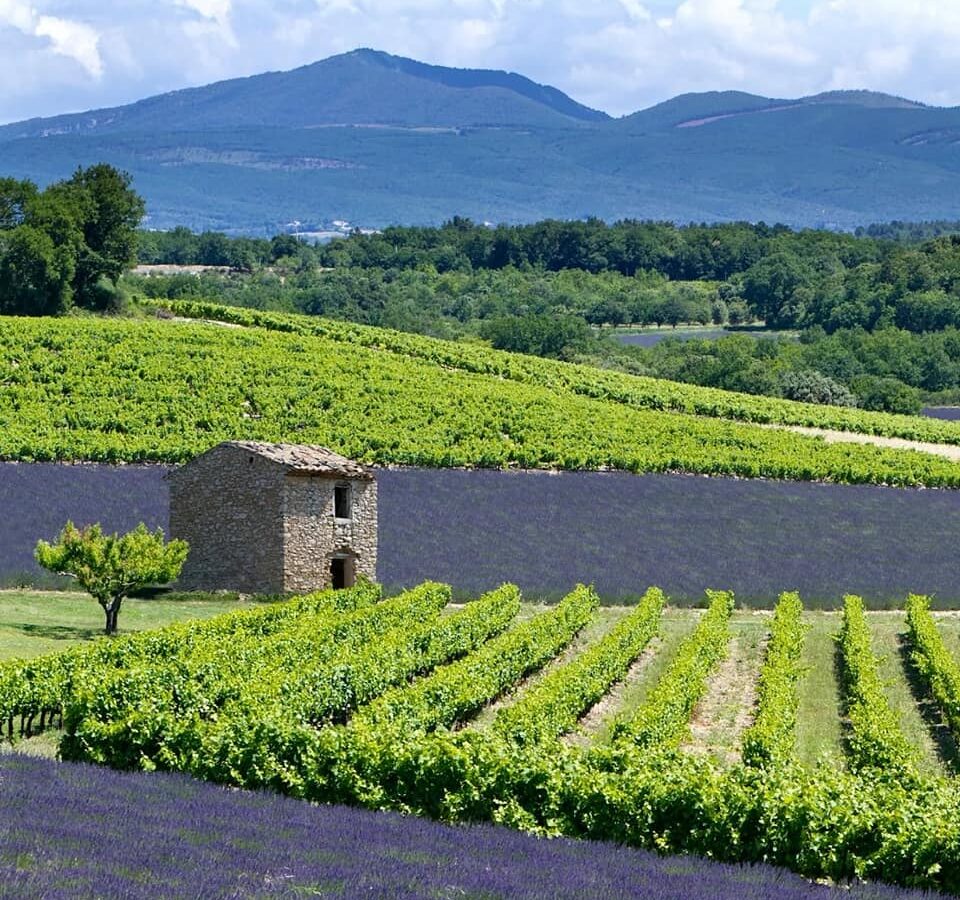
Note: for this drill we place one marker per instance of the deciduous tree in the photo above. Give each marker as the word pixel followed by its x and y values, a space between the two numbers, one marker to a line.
pixel 110 566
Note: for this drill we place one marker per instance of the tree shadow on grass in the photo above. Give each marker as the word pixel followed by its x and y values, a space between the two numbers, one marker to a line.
pixel 943 739
pixel 57 632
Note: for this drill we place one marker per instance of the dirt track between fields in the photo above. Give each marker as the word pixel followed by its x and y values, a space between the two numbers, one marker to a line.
pixel 950 451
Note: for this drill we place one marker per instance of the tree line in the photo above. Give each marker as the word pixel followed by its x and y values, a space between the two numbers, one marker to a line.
pixel 788 279
pixel 68 244
pixel 877 312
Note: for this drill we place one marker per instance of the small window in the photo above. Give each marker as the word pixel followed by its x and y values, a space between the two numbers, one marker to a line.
pixel 341 502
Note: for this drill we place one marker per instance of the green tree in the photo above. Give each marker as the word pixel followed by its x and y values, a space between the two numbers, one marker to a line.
pixel 109 211
pixel 110 566
pixel 15 197
pixel 771 288
pixel 811 386
pixel 35 273
pixel 886 394
pixel 557 337
pixel 67 244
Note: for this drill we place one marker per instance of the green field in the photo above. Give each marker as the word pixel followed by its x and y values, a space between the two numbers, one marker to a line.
pixel 33 622
pixel 112 391
pixel 619 723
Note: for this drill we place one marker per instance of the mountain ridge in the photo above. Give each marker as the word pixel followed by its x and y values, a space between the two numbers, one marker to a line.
pixel 376 139
pixel 275 98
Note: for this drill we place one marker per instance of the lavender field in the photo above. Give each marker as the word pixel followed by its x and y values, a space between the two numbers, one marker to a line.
pixel 623 532
pixel 652 338
pixel 949 413
pixel 79 831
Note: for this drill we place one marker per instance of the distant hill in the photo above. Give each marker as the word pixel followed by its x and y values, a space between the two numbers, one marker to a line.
pixel 375 139
pixel 365 87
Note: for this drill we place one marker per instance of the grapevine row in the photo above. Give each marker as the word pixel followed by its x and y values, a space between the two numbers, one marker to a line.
pixel 184 388
pixel 36 690
pixel 325 693
pixel 875 740
pixel 771 739
pixel 344 762
pixel 935 662
pixel 662 720
pixel 131 716
pixel 554 704
pixel 822 821
pixel 456 691
pixel 631 390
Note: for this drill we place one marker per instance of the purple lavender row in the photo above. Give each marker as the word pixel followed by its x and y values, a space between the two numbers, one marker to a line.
pixel 69 831
pixel 621 532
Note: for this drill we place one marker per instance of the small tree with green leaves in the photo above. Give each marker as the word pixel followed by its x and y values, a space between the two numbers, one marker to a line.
pixel 110 566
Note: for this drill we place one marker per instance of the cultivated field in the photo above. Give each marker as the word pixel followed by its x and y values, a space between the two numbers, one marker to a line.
pixel 742 735
pixel 546 531
pixel 137 391
pixel 75 830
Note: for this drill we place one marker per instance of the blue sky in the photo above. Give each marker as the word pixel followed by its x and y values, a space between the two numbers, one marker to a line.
pixel 616 55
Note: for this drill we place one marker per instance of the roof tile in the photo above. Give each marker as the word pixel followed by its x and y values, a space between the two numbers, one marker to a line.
pixel 305 459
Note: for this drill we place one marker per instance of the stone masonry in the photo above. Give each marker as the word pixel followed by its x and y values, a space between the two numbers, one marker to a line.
pixel 261 518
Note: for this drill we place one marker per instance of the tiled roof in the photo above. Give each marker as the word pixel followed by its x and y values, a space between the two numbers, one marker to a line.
pixel 305 459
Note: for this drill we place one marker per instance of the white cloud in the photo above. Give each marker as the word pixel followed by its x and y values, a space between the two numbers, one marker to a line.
pixel 19 15
pixel 72 39
pixel 215 16
pixel 218 10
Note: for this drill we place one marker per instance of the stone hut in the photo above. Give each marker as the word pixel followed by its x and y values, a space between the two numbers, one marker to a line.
pixel 273 518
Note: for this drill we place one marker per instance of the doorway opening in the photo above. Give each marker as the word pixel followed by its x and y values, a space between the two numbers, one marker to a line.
pixel 342 572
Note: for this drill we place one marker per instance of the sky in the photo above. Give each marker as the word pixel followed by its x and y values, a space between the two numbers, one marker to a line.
pixel 614 55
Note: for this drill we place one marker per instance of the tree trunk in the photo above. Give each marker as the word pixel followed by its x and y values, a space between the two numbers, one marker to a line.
pixel 112 611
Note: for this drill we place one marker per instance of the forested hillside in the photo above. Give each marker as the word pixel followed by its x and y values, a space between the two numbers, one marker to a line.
pixel 868 320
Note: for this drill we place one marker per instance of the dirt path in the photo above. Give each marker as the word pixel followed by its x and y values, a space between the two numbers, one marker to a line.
pixel 190 321
pixel 629 693
pixel 950 451
pixel 605 619
pixel 611 701
pixel 727 708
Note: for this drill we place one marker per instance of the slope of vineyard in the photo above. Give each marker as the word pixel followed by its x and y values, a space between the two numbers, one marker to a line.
pixel 343 697
pixel 114 391
pixel 632 390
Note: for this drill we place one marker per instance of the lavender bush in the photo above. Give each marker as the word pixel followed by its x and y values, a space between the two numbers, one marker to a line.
pixel 35 501
pixel 80 831
pixel 545 532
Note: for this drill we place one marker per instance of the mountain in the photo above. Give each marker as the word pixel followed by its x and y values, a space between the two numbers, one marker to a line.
pixel 375 139
pixel 365 87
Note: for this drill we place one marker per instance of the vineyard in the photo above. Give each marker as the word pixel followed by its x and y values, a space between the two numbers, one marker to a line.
pixel 822 742
pixel 115 391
